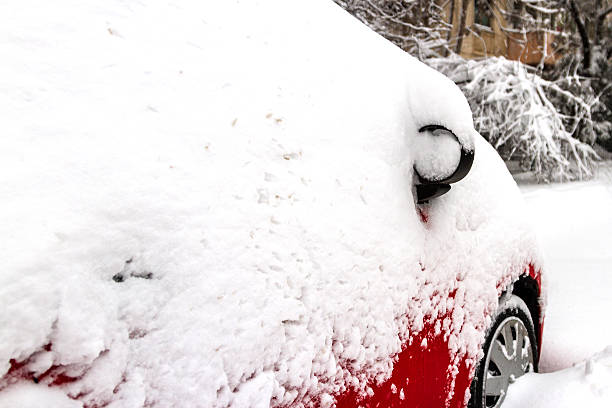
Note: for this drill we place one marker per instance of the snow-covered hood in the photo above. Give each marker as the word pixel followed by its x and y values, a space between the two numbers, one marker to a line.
pixel 211 204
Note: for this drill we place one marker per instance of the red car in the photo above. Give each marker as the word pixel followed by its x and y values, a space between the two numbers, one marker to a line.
pixel 250 204
pixel 431 378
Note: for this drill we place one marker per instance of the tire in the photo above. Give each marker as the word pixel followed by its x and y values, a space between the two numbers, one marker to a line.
pixel 502 365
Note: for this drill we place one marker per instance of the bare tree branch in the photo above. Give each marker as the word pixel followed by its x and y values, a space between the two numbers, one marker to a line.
pixel 461 33
pixel 584 36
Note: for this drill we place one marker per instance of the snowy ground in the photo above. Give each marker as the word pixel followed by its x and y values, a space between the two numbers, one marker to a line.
pixel 574 221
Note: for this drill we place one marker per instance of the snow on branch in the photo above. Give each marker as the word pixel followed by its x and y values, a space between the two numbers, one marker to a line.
pixel 517 111
pixel 417 26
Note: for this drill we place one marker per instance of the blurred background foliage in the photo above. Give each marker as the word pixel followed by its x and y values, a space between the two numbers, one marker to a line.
pixel 536 72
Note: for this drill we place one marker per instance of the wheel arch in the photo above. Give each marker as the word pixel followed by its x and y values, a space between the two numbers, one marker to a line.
pixel 527 288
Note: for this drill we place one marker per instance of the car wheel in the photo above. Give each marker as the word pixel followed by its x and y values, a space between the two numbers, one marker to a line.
pixel 510 350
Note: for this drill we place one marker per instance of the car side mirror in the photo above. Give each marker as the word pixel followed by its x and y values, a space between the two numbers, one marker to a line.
pixel 441 160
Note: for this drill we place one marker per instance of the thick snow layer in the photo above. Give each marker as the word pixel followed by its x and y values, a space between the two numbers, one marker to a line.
pixel 210 204
pixel 587 384
pixel 436 155
pixel 27 395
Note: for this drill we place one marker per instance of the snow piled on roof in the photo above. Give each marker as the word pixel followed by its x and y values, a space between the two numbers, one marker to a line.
pixel 210 204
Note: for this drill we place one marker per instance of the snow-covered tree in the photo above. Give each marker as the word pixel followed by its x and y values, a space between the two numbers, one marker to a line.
pixel 588 21
pixel 588 51
pixel 512 108
pixel 417 26
pixel 547 118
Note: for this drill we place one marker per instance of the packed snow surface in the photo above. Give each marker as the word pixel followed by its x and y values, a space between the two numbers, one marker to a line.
pixel 211 204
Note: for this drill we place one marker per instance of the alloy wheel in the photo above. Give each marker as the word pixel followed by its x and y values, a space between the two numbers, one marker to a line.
pixel 509 356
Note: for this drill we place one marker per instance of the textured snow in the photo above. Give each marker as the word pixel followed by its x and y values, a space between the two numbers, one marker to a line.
pixel 26 395
pixel 210 204
pixel 436 156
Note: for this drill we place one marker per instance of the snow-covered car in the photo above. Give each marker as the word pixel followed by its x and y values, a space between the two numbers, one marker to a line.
pixel 249 204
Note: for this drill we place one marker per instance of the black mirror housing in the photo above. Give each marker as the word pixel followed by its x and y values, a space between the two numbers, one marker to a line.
pixel 427 189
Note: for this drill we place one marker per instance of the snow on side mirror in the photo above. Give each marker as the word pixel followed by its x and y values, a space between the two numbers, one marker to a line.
pixel 440 160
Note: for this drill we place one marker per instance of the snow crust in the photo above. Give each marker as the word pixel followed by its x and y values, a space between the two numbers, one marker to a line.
pixel 209 204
